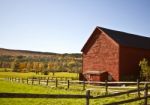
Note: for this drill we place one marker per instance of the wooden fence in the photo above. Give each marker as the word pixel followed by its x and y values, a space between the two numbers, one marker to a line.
pixel 46 81
pixel 27 95
pixel 145 97
pixel 87 96
pixel 58 82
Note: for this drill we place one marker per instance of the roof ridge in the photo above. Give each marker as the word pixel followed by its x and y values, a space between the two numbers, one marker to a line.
pixel 123 38
pixel 122 32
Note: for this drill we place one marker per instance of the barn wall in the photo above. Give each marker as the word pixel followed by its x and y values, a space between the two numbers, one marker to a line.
pixel 129 62
pixel 103 54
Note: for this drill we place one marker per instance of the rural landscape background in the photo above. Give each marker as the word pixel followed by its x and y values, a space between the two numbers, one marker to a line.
pixel 29 72
pixel 39 62
pixel 40 51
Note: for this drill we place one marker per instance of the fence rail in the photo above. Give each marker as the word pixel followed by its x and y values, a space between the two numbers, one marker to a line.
pixel 28 95
pixel 46 81
pixel 127 101
pixel 67 83
pixel 145 97
pixel 87 96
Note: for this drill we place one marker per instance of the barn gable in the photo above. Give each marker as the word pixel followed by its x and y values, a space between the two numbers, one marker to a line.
pixel 122 38
pixel 97 55
pixel 94 36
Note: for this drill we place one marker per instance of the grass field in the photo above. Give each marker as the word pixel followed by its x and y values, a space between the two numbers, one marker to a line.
pixel 31 74
pixel 23 88
pixel 7 86
pixel 5 69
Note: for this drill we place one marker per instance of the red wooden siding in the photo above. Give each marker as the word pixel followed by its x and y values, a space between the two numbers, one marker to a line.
pixel 129 62
pixel 102 55
pixel 116 53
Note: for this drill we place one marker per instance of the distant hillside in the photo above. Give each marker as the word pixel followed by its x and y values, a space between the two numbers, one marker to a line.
pixel 12 52
pixel 32 61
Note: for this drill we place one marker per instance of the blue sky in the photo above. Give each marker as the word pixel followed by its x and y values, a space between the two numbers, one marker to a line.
pixel 63 26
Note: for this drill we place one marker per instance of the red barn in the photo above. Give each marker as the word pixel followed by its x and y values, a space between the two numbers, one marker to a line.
pixel 113 55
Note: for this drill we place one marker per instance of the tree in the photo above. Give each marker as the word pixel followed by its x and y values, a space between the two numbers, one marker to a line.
pixel 71 66
pixel 15 66
pixel 50 67
pixel 36 67
pixel 23 66
pixel 145 69
pixel 1 64
pixel 41 67
pixel 29 66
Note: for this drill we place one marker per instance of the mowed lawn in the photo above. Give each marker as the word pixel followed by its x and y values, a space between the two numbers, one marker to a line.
pixel 13 87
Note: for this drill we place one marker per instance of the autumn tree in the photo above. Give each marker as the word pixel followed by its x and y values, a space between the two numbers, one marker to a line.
pixel 53 63
pixel 22 66
pixel 29 66
pixel 36 67
pixel 1 64
pixel 50 67
pixel 145 69
pixel 15 66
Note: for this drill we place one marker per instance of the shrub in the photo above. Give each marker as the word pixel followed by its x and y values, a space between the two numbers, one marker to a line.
pixel 145 69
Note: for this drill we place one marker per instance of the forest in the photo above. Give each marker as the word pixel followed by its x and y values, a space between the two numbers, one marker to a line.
pixel 45 63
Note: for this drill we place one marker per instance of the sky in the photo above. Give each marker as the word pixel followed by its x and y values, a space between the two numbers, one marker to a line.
pixel 63 26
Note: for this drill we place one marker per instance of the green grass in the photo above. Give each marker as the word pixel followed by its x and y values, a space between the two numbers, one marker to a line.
pixel 7 86
pixel 31 74
pixel 23 88
pixel 5 69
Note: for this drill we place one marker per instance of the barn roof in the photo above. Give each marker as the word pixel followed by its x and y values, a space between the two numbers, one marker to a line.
pixel 123 38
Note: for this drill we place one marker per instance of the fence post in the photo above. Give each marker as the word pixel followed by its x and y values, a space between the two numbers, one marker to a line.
pixel 56 82
pixel 18 79
pixel 83 85
pixel 68 82
pixel 39 81
pixel 138 87
pixel 32 80
pixel 106 87
pixel 47 81
pixel 27 81
pixel 87 97
pixel 145 94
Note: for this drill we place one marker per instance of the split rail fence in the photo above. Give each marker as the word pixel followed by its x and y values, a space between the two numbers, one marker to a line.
pixel 47 81
pixel 87 96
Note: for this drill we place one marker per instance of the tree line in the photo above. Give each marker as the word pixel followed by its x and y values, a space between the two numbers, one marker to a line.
pixel 55 63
